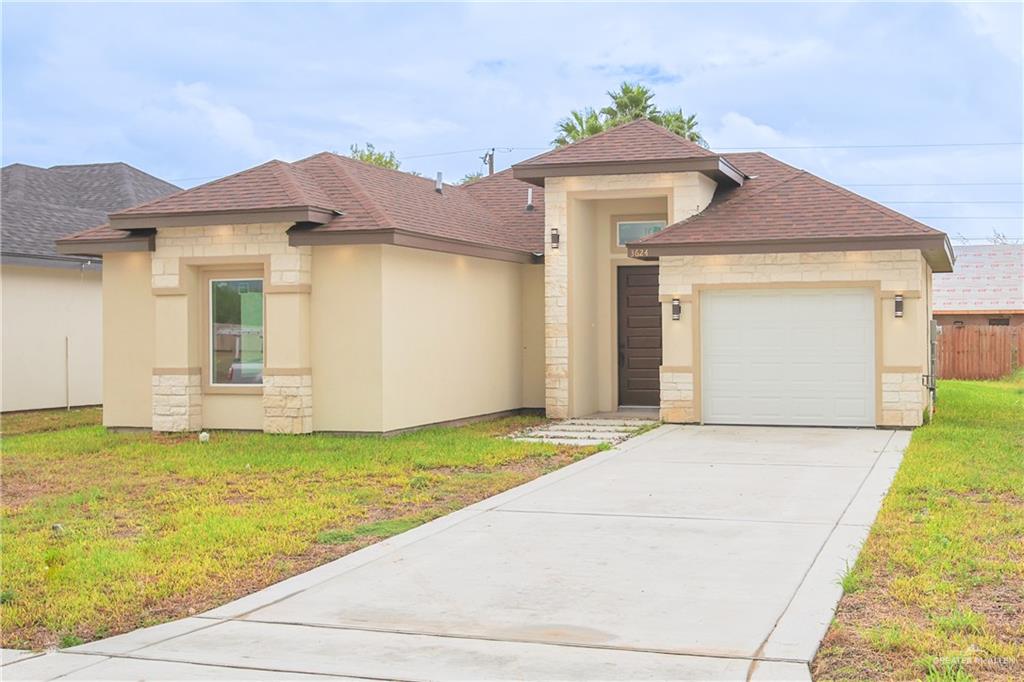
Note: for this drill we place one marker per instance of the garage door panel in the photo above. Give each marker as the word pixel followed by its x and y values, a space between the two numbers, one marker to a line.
pixel 800 357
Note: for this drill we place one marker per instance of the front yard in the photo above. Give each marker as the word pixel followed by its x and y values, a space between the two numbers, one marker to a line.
pixel 106 532
pixel 938 590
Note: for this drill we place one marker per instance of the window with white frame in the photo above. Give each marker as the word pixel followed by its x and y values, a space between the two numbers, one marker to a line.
pixel 630 230
pixel 236 331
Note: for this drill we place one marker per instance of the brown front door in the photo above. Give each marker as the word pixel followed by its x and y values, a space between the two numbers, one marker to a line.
pixel 639 335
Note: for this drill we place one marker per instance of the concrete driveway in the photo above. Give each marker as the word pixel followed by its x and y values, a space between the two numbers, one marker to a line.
pixel 685 553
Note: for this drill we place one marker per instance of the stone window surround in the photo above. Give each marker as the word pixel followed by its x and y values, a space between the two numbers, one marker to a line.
pixel 255 250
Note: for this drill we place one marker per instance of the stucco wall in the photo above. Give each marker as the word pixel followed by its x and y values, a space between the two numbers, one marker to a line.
pixel 903 341
pixel 346 344
pixel 43 306
pixel 128 340
pixel 452 336
pixel 532 279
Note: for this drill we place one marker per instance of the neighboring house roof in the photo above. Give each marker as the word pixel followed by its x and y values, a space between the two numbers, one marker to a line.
pixel 761 204
pixel 41 205
pixel 987 278
pixel 780 207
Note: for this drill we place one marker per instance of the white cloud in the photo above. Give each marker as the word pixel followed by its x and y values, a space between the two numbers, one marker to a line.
pixel 998 22
pixel 228 124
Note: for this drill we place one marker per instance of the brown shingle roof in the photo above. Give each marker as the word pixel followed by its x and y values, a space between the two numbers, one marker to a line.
pixel 774 205
pixel 274 184
pixel 490 212
pixel 373 198
pixel 785 203
pixel 636 141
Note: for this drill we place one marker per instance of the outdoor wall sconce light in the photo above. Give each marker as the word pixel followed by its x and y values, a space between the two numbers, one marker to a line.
pixel 677 309
pixel 898 306
pixel 554 237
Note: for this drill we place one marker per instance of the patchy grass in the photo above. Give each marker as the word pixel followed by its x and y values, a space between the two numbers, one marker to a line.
pixel 106 532
pixel 939 592
pixel 34 421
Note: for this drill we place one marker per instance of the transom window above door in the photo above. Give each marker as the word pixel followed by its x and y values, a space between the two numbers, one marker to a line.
pixel 236 331
pixel 627 231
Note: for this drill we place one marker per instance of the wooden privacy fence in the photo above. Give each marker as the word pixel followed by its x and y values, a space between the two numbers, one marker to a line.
pixel 979 352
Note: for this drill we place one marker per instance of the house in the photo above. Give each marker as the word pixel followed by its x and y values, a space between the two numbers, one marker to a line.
pixel 52 316
pixel 632 268
pixel 985 288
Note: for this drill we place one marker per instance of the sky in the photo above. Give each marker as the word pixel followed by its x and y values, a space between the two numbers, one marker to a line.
pixel 194 91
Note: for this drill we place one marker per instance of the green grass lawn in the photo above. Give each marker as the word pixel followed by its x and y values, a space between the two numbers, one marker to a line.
pixel 938 590
pixel 106 532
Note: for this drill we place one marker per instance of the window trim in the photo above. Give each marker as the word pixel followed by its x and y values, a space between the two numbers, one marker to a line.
pixel 613 228
pixel 620 223
pixel 220 274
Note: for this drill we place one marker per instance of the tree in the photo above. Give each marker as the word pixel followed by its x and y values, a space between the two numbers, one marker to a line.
pixel 631 102
pixel 578 125
pixel 470 177
pixel 370 155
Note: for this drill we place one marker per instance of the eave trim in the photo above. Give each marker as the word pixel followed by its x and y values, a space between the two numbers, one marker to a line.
pixel 936 248
pixel 284 214
pixel 97 247
pixel 715 167
pixel 414 240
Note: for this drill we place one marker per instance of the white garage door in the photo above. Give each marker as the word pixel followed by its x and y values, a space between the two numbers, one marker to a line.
pixel 788 356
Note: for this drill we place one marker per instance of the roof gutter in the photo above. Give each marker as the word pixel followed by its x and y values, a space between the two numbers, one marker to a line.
pixel 936 248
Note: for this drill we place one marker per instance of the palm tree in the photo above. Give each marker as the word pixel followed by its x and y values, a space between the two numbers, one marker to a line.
pixel 682 125
pixel 578 125
pixel 633 101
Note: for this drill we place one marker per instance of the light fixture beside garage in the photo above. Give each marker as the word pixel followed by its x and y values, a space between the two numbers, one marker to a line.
pixel 677 309
pixel 898 305
pixel 554 237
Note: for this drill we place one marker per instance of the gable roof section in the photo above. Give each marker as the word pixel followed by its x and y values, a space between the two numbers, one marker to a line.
pixel 636 147
pixel 41 205
pixel 786 209
pixel 337 200
pixel 987 278
pixel 273 186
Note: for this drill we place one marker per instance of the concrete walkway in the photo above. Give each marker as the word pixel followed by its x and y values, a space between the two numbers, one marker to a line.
pixel 685 553
pixel 588 431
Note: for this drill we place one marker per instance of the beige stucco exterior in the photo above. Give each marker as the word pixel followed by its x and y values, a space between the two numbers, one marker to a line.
pixel 351 340
pixel 52 337
pixel 901 343
pixel 377 338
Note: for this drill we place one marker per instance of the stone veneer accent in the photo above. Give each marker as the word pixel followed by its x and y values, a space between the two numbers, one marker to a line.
pixel 556 307
pixel 894 270
pixel 288 264
pixel 903 396
pixel 677 404
pixel 288 403
pixel 177 402
pixel 903 399
pixel 287 399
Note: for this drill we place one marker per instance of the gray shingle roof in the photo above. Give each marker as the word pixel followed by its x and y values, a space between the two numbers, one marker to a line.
pixel 40 205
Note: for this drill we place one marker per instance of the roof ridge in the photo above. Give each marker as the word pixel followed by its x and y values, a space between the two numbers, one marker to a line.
pixel 283 172
pixel 588 138
pixel 361 195
pixel 192 189
pixel 715 207
pixel 884 210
